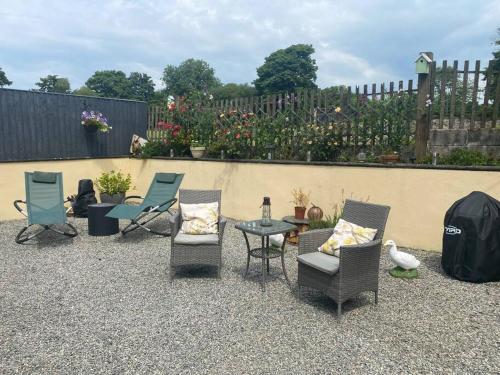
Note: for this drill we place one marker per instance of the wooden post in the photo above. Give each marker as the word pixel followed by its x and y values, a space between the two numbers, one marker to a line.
pixel 423 114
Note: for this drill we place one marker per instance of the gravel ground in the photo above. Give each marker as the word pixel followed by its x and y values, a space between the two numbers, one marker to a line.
pixel 95 305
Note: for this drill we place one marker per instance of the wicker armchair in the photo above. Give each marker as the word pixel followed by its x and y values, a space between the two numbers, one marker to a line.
pixel 357 268
pixel 205 249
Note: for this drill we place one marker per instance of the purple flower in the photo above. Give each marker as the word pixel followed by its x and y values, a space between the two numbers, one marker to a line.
pixel 97 119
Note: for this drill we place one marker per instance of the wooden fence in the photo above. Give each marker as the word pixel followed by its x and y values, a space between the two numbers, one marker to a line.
pixel 463 98
pixel 36 126
pixel 458 100
pixel 357 121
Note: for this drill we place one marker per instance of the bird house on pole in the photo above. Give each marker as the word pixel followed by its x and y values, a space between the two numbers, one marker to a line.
pixel 423 63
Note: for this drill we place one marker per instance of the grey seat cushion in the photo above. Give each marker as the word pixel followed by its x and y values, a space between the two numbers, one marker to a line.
pixel 196 239
pixel 321 261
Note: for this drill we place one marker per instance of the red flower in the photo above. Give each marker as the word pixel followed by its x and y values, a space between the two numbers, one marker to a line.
pixel 237 136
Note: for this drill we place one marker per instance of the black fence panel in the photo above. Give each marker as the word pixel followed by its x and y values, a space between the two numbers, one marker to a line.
pixel 36 126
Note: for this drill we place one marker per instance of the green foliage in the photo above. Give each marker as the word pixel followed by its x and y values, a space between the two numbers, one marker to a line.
pixel 383 125
pixel 189 77
pixel 287 70
pixel 387 121
pixel 330 221
pixel 494 69
pixel 113 182
pixel 3 79
pixel 447 76
pixel 85 91
pixel 140 87
pixel 115 84
pixel 109 84
pixel 155 148
pixel 327 222
pixel 234 90
pixel 52 83
pixel 465 157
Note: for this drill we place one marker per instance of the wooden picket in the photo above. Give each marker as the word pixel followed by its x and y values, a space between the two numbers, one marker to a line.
pixel 460 100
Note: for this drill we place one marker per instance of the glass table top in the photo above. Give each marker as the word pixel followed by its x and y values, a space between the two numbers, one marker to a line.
pixel 254 227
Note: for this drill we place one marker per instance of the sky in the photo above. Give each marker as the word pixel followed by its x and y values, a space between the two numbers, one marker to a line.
pixel 356 42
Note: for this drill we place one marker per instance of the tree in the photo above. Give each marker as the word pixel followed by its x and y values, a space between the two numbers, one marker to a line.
pixel 52 83
pixel 494 69
pixel 234 90
pixel 287 69
pixel 109 84
pixel 3 79
pixel 189 77
pixel 84 90
pixel 140 86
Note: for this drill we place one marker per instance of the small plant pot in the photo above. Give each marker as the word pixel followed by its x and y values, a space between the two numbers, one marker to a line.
pixel 197 152
pixel 300 212
pixel 114 199
pixel 389 158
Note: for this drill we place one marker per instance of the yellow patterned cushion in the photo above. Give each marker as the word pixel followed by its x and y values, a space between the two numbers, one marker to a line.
pixel 346 233
pixel 200 218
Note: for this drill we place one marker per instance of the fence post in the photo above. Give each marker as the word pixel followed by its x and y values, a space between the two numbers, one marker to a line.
pixel 423 113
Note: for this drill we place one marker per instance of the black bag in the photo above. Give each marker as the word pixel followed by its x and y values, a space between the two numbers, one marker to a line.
pixel 471 239
pixel 86 196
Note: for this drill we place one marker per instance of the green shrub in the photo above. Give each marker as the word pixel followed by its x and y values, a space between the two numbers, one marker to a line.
pixel 113 182
pixel 327 222
pixel 464 157
pixel 155 148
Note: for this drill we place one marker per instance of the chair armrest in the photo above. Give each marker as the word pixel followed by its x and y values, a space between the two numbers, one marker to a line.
pixel 310 241
pixel 222 226
pixel 16 205
pixel 175 224
pixel 360 260
pixel 170 202
pixel 132 197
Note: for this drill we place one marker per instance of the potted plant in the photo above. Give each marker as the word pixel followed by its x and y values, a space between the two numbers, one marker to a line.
pixel 112 186
pixel 389 155
pixel 94 121
pixel 197 149
pixel 301 200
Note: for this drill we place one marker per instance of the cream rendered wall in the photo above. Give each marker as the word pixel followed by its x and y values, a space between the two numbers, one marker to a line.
pixel 418 198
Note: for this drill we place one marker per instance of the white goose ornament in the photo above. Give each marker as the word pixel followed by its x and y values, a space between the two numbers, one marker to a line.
pixel 401 259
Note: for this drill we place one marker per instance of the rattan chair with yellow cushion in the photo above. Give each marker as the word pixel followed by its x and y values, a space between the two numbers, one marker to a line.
pixel 191 244
pixel 356 269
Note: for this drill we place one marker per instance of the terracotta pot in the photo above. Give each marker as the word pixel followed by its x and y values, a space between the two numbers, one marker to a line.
pixel 115 198
pixel 315 213
pixel 197 152
pixel 300 212
pixel 389 158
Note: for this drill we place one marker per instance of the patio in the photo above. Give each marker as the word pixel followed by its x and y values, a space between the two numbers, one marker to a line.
pixel 106 305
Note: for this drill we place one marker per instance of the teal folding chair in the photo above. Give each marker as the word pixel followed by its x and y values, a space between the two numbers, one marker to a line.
pixel 44 205
pixel 158 200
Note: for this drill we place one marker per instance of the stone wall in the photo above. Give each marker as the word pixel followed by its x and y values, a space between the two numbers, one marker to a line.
pixel 485 140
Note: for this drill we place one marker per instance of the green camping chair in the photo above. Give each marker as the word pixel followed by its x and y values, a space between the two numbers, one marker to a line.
pixel 44 204
pixel 159 199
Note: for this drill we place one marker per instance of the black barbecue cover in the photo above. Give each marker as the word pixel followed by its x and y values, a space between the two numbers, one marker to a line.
pixel 471 239
pixel 86 196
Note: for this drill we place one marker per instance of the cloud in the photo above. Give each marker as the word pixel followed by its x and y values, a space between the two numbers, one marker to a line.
pixel 356 42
